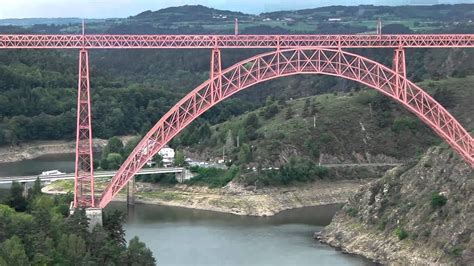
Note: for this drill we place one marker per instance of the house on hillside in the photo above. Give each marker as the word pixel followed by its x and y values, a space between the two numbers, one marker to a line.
pixel 167 154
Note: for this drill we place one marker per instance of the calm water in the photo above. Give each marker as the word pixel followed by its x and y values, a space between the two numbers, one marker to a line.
pixel 61 162
pixel 180 236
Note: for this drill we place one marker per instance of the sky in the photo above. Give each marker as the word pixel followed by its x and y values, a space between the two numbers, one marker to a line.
pixel 126 8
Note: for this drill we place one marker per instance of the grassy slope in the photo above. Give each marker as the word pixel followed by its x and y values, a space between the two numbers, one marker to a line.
pixel 338 132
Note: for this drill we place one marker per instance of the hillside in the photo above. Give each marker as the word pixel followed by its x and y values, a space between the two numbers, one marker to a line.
pixel 132 89
pixel 419 214
pixel 195 19
pixel 188 13
pixel 360 126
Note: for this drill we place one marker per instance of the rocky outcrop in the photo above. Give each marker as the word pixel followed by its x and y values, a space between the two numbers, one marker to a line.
pixel 236 199
pixel 418 214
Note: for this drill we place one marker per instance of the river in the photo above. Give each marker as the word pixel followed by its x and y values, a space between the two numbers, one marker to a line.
pixel 181 236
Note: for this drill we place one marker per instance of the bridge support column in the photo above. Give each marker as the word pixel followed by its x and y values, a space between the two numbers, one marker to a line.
pixel 25 189
pixel 95 217
pixel 131 191
pixel 215 75
pixel 183 176
pixel 84 169
pixel 399 66
pixel 180 177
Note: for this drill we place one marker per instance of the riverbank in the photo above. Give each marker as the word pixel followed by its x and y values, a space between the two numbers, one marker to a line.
pixel 235 198
pixel 416 214
pixel 34 149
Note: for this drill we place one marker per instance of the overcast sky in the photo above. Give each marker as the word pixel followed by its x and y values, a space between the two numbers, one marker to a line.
pixel 125 8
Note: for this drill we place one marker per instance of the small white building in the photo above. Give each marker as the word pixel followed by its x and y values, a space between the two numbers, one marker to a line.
pixel 167 154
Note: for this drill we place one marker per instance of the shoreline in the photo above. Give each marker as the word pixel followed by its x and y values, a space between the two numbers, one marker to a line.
pixel 35 149
pixel 239 200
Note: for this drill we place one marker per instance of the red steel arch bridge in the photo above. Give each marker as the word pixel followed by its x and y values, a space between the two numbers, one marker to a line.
pixel 290 55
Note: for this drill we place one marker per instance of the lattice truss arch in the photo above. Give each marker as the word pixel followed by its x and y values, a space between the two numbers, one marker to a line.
pixel 281 63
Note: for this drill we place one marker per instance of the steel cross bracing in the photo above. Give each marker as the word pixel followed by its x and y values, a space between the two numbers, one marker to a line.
pixel 84 170
pixel 13 41
pixel 280 63
pixel 295 54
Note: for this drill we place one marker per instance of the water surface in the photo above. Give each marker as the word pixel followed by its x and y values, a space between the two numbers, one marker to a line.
pixel 180 236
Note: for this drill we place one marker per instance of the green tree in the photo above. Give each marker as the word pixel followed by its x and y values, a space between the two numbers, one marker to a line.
pixel 158 159
pixel 251 122
pixel 245 154
pixel 13 252
pixel 16 199
pixel 113 224
pixel 314 108
pixel 312 147
pixel 73 249
pixel 204 131
pixel 138 254
pixel 270 111
pixel 114 145
pixel 114 160
pixel 130 145
pixel 438 200
pixel 36 189
pixel 179 159
pixel 445 97
pixel 78 223
pixel 306 106
pixel 289 113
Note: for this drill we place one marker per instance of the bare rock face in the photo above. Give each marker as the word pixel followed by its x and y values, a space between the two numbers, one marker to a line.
pixel 418 214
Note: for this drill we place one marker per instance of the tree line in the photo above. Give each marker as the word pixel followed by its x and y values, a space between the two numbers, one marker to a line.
pixel 38 230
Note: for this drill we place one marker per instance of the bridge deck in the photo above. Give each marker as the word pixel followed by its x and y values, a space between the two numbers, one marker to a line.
pixel 16 41
pixel 99 174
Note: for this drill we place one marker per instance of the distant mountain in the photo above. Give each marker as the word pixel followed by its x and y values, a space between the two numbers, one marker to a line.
pixel 45 21
pixel 458 12
pixel 198 19
pixel 188 13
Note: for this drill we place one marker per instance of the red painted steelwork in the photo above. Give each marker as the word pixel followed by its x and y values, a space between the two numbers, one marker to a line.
pixel 399 66
pixel 236 41
pixel 84 170
pixel 288 62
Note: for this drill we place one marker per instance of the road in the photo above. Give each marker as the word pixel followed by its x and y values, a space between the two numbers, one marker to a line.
pixel 146 171
pixel 360 165
pixel 98 174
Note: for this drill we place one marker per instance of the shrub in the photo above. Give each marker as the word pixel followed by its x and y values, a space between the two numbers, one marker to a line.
pixel 456 252
pixel 213 177
pixel 438 200
pixel 403 123
pixel 352 211
pixel 381 225
pixel 401 233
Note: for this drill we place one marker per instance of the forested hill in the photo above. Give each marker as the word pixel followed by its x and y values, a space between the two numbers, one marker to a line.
pixel 195 19
pixel 132 89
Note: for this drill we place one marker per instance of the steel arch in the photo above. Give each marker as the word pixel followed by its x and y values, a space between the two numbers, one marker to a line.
pixel 288 62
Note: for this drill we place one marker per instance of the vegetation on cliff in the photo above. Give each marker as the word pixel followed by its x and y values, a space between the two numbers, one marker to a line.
pixel 419 213
pixel 357 126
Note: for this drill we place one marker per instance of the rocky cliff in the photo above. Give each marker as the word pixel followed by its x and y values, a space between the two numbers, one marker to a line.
pixel 416 214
